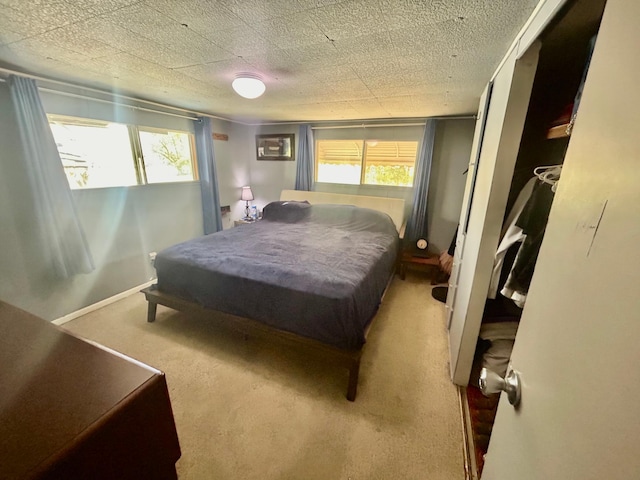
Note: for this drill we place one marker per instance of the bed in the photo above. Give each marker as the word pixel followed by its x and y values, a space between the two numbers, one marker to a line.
pixel 312 273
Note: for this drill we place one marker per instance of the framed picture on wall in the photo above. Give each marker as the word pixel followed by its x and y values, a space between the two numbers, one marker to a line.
pixel 275 146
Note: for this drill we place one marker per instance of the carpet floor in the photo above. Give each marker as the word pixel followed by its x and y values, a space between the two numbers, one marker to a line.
pixel 245 409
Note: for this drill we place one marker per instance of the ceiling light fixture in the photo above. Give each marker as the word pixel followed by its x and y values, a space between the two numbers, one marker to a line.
pixel 248 85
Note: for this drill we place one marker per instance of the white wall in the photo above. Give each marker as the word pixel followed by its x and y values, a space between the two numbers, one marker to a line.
pixel 232 167
pixel 446 187
pixel 122 224
pixel 86 108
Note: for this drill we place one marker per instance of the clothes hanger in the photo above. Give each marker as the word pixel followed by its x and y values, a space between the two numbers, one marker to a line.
pixel 555 169
pixel 549 174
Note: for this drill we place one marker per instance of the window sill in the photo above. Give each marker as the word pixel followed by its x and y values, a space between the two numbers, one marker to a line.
pixel 88 189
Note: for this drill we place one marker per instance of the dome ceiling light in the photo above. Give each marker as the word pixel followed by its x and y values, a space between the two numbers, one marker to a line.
pixel 248 85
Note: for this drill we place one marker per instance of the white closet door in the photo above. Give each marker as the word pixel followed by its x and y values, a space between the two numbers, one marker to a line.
pixel 467 199
pixel 577 345
pixel 476 247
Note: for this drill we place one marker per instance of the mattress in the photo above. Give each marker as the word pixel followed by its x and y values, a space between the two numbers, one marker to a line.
pixel 318 271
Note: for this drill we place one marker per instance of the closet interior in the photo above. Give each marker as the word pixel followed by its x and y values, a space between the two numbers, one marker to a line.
pixel 566 47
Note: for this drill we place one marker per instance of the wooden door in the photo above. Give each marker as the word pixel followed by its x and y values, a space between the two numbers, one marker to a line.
pixel 577 346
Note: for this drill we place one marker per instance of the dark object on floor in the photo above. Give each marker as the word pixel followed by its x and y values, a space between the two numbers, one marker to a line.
pixel 440 293
pixel 440 277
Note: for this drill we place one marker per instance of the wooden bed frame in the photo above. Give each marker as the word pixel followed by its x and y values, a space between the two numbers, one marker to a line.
pixel 349 359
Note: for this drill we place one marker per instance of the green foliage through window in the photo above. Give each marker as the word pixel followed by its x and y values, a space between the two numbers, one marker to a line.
pixel 400 175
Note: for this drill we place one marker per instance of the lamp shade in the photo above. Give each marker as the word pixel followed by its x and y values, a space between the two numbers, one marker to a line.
pixel 247 194
pixel 248 86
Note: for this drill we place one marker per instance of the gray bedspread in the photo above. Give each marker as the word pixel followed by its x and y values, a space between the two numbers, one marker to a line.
pixel 315 270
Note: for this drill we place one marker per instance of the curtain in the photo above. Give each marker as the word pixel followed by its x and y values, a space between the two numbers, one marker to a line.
pixel 417 224
pixel 212 217
pixel 304 165
pixel 61 236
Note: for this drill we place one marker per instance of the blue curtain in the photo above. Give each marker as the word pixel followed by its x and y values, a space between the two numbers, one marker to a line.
pixel 304 165
pixel 61 236
pixel 417 224
pixel 212 217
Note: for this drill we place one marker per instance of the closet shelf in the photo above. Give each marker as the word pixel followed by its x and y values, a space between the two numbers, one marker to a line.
pixel 560 131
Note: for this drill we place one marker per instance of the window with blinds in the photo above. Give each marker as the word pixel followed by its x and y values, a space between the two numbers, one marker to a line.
pixel 367 162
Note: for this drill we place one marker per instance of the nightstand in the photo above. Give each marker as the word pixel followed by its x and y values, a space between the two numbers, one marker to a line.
pixel 408 257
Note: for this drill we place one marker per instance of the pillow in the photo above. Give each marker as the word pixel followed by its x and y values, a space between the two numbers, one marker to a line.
pixel 286 211
pixel 352 217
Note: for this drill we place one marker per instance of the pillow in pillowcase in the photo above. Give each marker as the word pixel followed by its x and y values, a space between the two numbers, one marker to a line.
pixel 286 211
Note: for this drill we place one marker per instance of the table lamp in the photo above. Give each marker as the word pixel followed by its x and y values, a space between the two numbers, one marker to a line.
pixel 247 196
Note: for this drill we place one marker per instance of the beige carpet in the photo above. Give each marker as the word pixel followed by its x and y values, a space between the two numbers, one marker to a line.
pixel 246 410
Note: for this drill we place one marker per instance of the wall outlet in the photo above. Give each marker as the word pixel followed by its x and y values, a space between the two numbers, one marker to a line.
pixel 152 258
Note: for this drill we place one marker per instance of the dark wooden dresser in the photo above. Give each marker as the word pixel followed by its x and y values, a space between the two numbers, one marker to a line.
pixel 70 409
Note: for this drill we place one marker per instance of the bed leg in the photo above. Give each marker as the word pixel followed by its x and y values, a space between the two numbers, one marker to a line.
pixel 151 312
pixel 354 371
pixel 403 270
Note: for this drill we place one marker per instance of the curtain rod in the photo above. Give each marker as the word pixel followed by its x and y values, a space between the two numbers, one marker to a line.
pixel 372 125
pixel 363 125
pixel 112 102
pixel 104 92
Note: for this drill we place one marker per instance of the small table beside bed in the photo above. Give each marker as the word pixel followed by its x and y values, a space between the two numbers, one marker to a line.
pixel 311 273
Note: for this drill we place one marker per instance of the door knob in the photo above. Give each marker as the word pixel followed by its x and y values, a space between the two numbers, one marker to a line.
pixel 490 382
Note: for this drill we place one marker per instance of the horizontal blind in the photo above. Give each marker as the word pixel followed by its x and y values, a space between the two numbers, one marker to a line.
pixel 339 151
pixel 391 153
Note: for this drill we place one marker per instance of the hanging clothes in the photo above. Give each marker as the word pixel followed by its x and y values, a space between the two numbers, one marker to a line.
pixel 511 234
pixel 533 222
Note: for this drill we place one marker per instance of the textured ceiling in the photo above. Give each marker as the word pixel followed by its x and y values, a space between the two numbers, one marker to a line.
pixel 320 59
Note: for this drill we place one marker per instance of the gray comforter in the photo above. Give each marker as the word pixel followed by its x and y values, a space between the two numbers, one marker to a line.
pixel 315 270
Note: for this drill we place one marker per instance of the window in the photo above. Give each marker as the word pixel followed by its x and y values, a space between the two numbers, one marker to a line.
pixel 167 156
pixel 339 161
pixel 369 162
pixel 94 154
pixel 98 154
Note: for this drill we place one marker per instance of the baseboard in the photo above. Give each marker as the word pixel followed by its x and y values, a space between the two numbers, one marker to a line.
pixel 470 464
pixel 101 303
